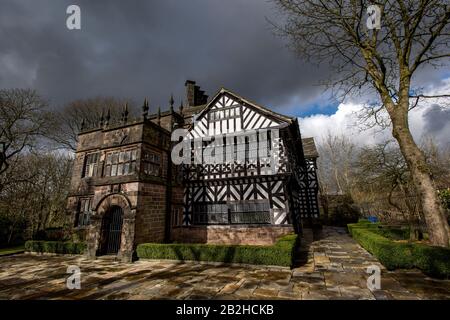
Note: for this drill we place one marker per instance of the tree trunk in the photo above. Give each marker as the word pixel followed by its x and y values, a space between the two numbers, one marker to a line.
pixel 11 232
pixel 438 229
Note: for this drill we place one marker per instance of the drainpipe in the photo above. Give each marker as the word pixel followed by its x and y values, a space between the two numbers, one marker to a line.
pixel 168 199
pixel 168 226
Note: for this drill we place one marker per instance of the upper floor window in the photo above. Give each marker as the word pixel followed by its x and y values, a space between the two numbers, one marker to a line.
pixel 151 163
pixel 91 165
pixel 225 114
pixel 120 163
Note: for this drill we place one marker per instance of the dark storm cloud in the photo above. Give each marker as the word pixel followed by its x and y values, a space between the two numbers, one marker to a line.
pixel 436 119
pixel 135 49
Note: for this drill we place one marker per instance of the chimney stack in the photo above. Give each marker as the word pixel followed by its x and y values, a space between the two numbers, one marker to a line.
pixel 190 92
pixel 194 96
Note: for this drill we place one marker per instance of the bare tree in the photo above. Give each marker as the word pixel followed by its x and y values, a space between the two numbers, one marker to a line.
pixel 414 33
pixel 87 113
pixel 34 192
pixel 438 159
pixel 335 169
pixel 335 162
pixel 383 168
pixel 24 119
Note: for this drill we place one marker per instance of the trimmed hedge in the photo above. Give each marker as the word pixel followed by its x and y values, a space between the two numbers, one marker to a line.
pixel 60 247
pixel 433 261
pixel 385 231
pixel 280 254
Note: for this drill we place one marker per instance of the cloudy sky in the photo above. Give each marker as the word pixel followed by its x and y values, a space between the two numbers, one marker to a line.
pixel 136 49
pixel 430 120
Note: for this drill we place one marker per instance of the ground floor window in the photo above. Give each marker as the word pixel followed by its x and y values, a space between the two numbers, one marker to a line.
pixel 211 213
pixel 252 211
pixel 177 216
pixel 233 212
pixel 84 212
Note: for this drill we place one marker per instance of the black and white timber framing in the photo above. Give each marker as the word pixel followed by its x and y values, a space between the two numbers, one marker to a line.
pixel 250 191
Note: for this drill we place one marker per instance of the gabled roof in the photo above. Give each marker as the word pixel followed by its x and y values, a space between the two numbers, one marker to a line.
pixel 261 109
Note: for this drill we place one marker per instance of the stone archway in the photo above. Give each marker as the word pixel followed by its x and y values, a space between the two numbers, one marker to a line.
pixel 125 252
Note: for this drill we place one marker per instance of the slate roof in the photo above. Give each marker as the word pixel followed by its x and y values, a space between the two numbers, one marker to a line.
pixel 309 148
pixel 191 110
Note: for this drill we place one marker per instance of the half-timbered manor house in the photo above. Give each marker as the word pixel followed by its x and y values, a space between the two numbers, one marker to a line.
pixel 126 189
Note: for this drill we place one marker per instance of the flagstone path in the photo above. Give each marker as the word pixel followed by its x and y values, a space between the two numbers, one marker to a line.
pixel 333 266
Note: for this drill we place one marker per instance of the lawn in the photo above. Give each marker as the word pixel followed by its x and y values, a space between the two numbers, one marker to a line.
pixel 12 250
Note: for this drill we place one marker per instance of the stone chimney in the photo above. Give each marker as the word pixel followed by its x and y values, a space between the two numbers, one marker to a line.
pixel 194 96
pixel 190 92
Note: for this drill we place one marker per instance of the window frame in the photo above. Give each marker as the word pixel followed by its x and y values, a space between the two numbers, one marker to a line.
pixel 116 161
pixel 229 210
pixel 152 159
pixel 84 211
pixel 91 168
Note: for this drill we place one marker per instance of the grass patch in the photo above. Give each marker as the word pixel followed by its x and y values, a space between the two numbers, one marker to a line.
pixel 11 250
pixel 280 254
pixel 61 247
pixel 433 261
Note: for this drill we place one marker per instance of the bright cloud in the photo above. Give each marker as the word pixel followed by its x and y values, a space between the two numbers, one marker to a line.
pixel 430 118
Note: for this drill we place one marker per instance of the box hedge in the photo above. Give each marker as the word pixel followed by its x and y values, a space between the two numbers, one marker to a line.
pixel 280 254
pixel 61 247
pixel 433 261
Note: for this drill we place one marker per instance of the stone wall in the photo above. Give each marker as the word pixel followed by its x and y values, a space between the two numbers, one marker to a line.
pixel 250 235
pixel 150 213
pixel 145 205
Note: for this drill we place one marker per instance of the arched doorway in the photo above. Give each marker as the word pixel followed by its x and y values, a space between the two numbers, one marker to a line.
pixel 111 231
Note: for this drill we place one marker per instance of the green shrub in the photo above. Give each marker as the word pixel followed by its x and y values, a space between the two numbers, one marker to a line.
pixel 8 225
pixel 434 261
pixel 444 195
pixel 281 253
pixel 394 233
pixel 55 247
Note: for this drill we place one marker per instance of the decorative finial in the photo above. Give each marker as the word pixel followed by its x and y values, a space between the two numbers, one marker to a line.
pixel 125 113
pixel 108 117
pixel 145 109
pixel 181 107
pixel 171 101
pixel 159 115
pixel 102 118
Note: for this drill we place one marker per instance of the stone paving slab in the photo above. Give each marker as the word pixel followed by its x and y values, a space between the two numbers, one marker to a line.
pixel 333 266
